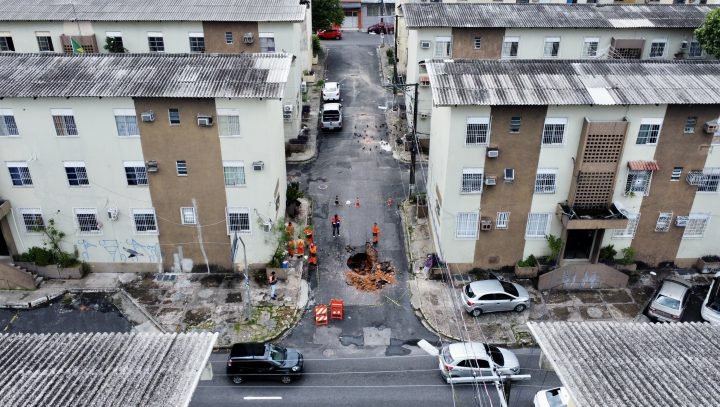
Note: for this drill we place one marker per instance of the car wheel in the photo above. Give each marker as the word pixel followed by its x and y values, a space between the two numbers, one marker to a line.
pixel 286 379
pixel 338 37
pixel 476 312
pixel 237 379
pixel 520 308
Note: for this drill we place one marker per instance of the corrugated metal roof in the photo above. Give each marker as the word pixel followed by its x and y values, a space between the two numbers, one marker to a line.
pixel 634 364
pixel 156 10
pixel 144 75
pixel 570 82
pixel 639 165
pixel 102 369
pixel 419 15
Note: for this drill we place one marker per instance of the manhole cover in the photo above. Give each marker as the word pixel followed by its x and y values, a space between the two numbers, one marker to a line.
pixel 322 186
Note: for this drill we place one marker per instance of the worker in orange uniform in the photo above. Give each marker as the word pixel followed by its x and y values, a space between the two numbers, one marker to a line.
pixel 376 233
pixel 313 254
pixel 308 234
pixel 300 247
pixel 291 230
pixel 291 247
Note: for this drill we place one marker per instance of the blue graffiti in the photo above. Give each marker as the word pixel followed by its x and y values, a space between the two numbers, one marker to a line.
pixel 113 249
pixel 138 249
pixel 85 244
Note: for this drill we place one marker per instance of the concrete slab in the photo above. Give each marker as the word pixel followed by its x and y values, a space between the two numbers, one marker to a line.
pixel 376 337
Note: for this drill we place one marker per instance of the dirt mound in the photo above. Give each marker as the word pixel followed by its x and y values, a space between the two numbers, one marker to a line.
pixel 369 274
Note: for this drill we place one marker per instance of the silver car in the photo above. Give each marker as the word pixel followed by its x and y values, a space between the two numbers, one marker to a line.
pixel 468 359
pixel 710 310
pixel 494 295
pixel 670 301
pixel 331 92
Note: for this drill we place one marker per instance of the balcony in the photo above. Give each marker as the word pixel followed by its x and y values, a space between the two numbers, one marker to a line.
pixel 611 217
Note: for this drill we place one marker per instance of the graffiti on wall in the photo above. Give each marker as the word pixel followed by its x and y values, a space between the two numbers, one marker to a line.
pixel 112 250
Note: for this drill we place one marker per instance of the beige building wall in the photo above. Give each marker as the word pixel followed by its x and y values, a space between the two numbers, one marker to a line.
pixel 215 37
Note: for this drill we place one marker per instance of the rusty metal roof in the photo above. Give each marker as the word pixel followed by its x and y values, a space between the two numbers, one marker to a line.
pixel 144 75
pixel 156 10
pixel 418 15
pixel 572 82
pixel 639 165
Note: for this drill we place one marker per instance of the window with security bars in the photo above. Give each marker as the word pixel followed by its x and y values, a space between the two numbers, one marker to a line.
pixel 690 124
pixel 676 174
pixel 234 172
pixel 443 47
pixel 515 124
pixel 45 43
pixel 228 125
pixel 197 43
pixel 19 174
pixel 477 42
pixel 537 224
pixel 135 173
pixel 87 221
pixel 648 134
pixel 545 181
pixel 228 37
pixel 238 220
pixel 126 124
pixel 32 219
pixel 65 125
pixel 466 226
pixel 76 174
pixel 590 47
pixel 696 225
pixel 156 43
pixel 695 50
pixel 472 180
pixel 181 168
pixel 629 231
pixel 502 220
pixel 144 220
pixel 709 180
pixel 510 47
pixel 477 130
pixel 188 216
pixel 638 182
pixel 663 222
pixel 267 42
pixel 552 47
pixel 8 127
pixel 657 49
pixel 554 132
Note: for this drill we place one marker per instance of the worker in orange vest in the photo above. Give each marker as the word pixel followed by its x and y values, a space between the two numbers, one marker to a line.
pixel 291 247
pixel 308 234
pixel 300 247
pixel 375 233
pixel 291 230
pixel 335 221
pixel 313 254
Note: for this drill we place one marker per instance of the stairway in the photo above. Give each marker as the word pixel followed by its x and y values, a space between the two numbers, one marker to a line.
pixel 13 277
pixel 582 276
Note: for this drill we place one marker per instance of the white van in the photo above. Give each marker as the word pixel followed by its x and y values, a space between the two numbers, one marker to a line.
pixel 331 116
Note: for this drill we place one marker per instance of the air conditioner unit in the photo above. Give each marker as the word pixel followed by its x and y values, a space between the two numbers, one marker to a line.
pixel 425 44
pixel 147 116
pixel 303 87
pixel 485 225
pixel 424 115
pixel 248 38
pixel 287 108
pixel 205 121
pixel 267 226
pixel 490 180
pixel 258 165
pixel 151 166
pixel 493 153
pixel 112 213
pixel 681 221
pixel 509 174
pixel 711 127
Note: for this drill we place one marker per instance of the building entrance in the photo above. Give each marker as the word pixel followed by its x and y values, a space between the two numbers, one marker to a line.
pixel 579 244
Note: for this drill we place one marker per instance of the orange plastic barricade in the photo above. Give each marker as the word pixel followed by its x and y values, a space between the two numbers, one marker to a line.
pixel 321 317
pixel 336 309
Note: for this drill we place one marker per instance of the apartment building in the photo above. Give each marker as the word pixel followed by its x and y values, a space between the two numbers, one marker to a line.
pixel 595 152
pixel 143 159
pixel 173 26
pixel 540 31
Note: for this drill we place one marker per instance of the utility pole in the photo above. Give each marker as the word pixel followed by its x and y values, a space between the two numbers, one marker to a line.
pixel 396 59
pixel 413 146
pixel 233 252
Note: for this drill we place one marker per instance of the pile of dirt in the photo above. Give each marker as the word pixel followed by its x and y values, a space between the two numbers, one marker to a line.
pixel 369 274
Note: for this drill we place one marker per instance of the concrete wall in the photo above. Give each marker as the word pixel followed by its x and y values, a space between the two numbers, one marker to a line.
pixel 215 37
pixel 490 43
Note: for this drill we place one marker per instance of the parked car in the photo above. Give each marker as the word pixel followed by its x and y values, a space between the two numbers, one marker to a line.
pixel 382 28
pixel 494 295
pixel 710 310
pixel 330 34
pixel 263 361
pixel 331 92
pixel 467 359
pixel 557 397
pixel 670 301
pixel 331 116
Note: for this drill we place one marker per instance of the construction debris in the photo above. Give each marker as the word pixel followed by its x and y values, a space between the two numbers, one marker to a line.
pixel 369 274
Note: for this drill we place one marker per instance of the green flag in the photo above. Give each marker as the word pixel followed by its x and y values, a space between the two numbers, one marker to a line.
pixel 77 49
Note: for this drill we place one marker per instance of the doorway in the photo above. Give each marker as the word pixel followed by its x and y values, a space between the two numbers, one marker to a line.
pixel 352 20
pixel 579 244
pixel 4 248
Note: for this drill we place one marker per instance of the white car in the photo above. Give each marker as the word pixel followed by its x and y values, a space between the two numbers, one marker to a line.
pixel 331 116
pixel 710 310
pixel 557 397
pixel 469 359
pixel 331 92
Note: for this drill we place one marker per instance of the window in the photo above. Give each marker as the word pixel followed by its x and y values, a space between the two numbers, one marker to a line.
pixel 19 174
pixel 443 47
pixel 126 123
pixel 76 173
pixel 8 127
pixel 510 47
pixel 552 47
pixel 64 122
pixel 156 42
pixel 695 50
pixel 676 173
pixel 228 37
pixel 466 226
pixel 710 180
pixel 181 167
pixel 515 124
pixel 502 220
pixel 629 231
pixel 32 219
pixel 238 220
pixel 657 48
pixel 115 42
pixel 696 225
pixel 267 42
pixel 649 131
pixel 477 130
pixel 545 181
pixel 690 124
pixel 663 222
pixel 638 182
pixel 228 122
pixel 537 225
pixel 87 221
pixel 554 131
pixel 234 172
pixel 477 41
pixel 144 220
pixel 472 180
pixel 174 116
pixel 590 47
pixel 135 173
pixel 6 42
pixel 188 216
pixel 44 41
pixel 197 42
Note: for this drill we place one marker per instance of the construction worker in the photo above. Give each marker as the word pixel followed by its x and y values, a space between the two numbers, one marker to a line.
pixel 313 254
pixel 300 247
pixel 335 222
pixel 291 247
pixel 308 234
pixel 376 233
pixel 291 230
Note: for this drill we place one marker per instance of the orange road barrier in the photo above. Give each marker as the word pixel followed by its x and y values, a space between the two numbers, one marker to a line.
pixel 336 309
pixel 321 317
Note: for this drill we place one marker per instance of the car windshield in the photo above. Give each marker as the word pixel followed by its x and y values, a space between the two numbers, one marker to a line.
pixel 669 302
pixel 277 353
pixel 469 291
pixel 714 296
pixel 495 354
pixel 330 86
pixel 509 288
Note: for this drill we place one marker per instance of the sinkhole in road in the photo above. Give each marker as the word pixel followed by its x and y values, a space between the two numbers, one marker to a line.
pixel 367 273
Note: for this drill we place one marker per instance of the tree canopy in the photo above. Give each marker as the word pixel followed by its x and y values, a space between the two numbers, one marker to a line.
pixel 708 35
pixel 326 13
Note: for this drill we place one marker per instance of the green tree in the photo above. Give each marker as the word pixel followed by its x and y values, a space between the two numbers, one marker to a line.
pixel 326 13
pixel 708 35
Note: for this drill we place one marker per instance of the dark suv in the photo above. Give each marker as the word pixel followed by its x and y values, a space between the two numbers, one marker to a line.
pixel 263 361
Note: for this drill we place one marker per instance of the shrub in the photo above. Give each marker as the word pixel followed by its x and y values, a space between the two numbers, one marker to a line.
pixel 607 254
pixel 628 256
pixel 390 56
pixel 39 256
pixel 531 261
pixel 316 47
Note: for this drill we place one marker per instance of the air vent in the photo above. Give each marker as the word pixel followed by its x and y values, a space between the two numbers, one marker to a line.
pixel 485 225
pixel 490 180
pixel 151 166
pixel 258 165
pixel 425 44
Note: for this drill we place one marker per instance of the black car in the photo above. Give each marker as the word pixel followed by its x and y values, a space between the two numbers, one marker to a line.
pixel 262 361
